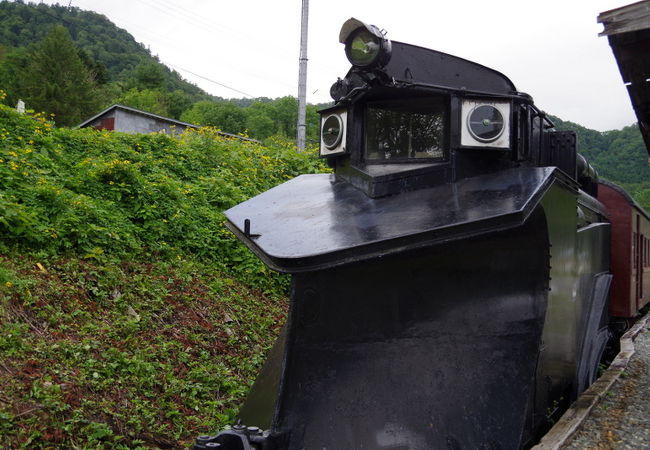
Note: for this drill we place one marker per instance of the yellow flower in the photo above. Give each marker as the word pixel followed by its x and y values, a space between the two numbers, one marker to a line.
pixel 9 284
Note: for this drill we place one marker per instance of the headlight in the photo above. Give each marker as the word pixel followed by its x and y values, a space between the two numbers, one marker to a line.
pixel 332 131
pixel 365 45
pixel 362 48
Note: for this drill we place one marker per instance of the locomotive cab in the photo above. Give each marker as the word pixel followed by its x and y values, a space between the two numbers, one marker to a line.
pixel 407 117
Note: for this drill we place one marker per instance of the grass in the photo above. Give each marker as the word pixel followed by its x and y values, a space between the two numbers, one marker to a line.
pixel 141 353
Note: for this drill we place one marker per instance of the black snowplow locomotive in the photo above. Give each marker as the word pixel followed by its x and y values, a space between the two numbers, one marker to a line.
pixel 449 280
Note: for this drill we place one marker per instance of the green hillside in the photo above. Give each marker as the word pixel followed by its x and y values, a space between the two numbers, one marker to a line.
pixel 129 316
pixel 112 49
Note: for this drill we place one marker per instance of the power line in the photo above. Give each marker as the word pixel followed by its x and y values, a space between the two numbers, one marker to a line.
pixel 167 11
pixel 211 81
pixel 171 43
pixel 194 17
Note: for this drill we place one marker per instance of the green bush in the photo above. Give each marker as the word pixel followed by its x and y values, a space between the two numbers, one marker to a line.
pixel 100 194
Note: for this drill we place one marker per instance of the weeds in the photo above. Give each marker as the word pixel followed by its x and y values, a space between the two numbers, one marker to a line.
pixel 129 316
pixel 138 353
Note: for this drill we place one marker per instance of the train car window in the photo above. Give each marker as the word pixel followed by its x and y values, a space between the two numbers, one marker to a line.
pixel 642 249
pixel 406 129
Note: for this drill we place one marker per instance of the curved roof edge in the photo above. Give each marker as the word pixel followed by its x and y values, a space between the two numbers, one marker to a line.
pixel 625 195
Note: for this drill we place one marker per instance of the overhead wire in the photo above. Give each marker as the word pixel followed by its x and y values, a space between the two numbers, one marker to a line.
pixel 212 81
pixel 168 8
pixel 167 11
pixel 210 25
pixel 120 21
pixel 182 14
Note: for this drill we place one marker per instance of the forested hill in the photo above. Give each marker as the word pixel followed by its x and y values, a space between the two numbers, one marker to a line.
pixel 112 50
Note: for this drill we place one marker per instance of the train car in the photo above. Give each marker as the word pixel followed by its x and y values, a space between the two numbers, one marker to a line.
pixel 450 279
pixel 630 254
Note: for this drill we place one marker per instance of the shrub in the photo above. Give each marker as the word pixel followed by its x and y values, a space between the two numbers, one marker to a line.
pixel 100 194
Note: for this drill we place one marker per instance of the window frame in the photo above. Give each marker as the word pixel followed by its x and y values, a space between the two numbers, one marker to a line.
pixel 445 102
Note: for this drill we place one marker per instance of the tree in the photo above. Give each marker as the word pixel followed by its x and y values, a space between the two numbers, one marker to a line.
pixel 313 125
pixel 259 122
pixel 13 64
pixel 97 70
pixel 177 102
pixel 226 116
pixel 149 75
pixel 57 81
pixel 149 100
pixel 286 116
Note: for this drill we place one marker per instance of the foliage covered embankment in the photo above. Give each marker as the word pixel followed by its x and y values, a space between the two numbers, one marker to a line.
pixel 129 316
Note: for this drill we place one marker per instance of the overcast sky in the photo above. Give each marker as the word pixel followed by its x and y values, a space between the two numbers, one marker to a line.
pixel 550 49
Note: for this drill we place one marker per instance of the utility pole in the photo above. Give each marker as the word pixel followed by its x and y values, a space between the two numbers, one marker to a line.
pixel 302 79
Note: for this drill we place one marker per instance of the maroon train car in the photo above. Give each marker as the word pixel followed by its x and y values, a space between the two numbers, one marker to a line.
pixel 630 251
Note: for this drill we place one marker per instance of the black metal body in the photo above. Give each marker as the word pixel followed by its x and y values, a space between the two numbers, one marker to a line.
pixel 448 302
pixel 371 356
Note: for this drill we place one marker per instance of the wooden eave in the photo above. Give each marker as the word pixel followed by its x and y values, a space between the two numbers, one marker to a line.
pixel 628 31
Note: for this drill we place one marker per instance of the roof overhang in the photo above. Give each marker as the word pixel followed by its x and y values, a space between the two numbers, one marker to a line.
pixel 135 111
pixel 174 122
pixel 628 31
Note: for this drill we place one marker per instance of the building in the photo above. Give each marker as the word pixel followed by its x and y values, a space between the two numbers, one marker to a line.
pixel 130 120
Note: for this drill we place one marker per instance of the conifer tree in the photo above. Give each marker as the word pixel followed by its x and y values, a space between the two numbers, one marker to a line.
pixel 57 81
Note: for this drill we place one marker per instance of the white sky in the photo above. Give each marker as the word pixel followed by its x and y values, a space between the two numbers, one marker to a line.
pixel 550 49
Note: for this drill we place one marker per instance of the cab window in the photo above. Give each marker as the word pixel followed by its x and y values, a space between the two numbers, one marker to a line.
pixel 406 129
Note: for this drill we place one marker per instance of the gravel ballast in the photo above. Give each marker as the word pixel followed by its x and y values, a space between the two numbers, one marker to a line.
pixel 622 418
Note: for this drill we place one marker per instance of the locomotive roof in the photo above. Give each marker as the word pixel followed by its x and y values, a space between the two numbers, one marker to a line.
pixel 413 64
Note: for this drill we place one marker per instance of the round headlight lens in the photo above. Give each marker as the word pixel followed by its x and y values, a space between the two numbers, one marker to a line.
pixel 363 48
pixel 332 131
pixel 485 123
